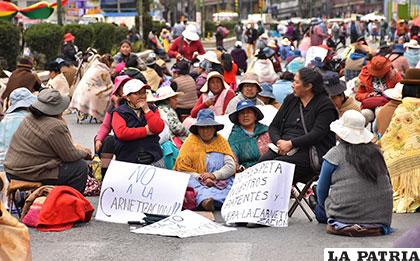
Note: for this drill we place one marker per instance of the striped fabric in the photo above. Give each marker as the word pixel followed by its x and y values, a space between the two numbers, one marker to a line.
pixel 38 148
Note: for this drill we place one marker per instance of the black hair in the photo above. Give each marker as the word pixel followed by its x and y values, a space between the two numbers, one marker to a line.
pixel 125 42
pixel 310 75
pixel 132 61
pixel 37 113
pixel 288 76
pixel 227 62
pixel 183 67
pixel 411 91
pixel 366 159
pixel 215 67
pixel 53 67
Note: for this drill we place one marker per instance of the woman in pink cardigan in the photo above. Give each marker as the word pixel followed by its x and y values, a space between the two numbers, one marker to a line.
pixel 104 143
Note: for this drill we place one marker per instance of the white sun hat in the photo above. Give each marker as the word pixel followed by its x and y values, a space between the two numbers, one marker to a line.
pixel 395 93
pixel 163 93
pixel 133 85
pixel 351 128
pixel 190 33
pixel 211 56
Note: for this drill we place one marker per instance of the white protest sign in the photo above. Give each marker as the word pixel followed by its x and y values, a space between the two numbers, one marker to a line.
pixel 129 190
pixel 184 224
pixel 260 195
pixel 315 51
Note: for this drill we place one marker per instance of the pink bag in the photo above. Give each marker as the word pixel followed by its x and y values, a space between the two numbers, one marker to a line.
pixel 189 199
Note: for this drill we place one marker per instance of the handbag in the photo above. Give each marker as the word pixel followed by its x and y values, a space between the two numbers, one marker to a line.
pixel 313 153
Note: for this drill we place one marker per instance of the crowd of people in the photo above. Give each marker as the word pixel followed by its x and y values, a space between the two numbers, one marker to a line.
pixel 354 126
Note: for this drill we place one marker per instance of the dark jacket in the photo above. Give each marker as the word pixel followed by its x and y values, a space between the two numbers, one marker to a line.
pixel 319 113
pixel 23 76
pixel 130 150
pixel 239 57
pixel 135 74
pixel 69 53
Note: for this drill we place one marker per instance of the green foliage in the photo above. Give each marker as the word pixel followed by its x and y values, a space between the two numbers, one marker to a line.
pixel 84 35
pixel 210 27
pixel 138 46
pixel 230 25
pixel 120 34
pixel 46 39
pixel 9 43
pixel 105 37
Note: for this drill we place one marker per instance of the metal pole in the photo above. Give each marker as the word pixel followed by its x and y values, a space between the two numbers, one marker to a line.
pixel 140 11
pixel 59 13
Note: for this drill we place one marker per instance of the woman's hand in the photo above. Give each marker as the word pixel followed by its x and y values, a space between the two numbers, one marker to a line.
pixel 284 146
pixel 143 105
pixel 98 145
pixel 148 130
pixel 207 175
pixel 210 102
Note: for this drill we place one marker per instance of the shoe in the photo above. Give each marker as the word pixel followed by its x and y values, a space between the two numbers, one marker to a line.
pixel 253 225
pixel 312 202
pixel 208 204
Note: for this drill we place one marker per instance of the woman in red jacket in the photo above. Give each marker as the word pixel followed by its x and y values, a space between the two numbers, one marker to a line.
pixel 375 78
pixel 230 69
pixel 216 95
pixel 137 126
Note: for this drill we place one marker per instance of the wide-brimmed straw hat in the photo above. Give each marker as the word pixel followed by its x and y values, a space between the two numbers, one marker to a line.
pixel 190 33
pixel 249 78
pixel 412 77
pixel 20 98
pixel 332 83
pixel 242 105
pixel 163 93
pixel 134 85
pixel 272 44
pixel 395 93
pixel 51 102
pixel 412 44
pixel 213 74
pixel 210 56
pixel 205 118
pixel 351 128
pixel 285 42
pixel 379 66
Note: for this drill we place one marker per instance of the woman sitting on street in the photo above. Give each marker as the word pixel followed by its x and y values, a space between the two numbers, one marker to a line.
pixel 207 156
pixel 354 193
pixel 166 100
pixel 42 148
pixel 124 53
pixel 401 146
pixel 216 95
pixel 249 139
pixel 137 126
pixel 295 136
pixel 92 93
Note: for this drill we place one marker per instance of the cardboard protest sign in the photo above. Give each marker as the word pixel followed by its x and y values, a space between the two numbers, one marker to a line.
pixel 129 190
pixel 315 51
pixel 260 195
pixel 184 224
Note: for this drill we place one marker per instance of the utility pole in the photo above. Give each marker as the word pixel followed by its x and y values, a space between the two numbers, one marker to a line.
pixel 140 12
pixel 59 13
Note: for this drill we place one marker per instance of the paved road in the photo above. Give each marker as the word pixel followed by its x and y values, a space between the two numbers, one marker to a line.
pixel 302 240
